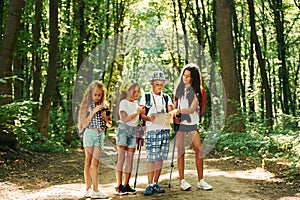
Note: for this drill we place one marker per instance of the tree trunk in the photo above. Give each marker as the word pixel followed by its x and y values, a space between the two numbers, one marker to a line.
pixel 238 56
pixel 183 20
pixel 228 68
pixel 1 20
pixel 44 114
pixel 278 10
pixel 265 82
pixel 213 46
pixel 79 24
pixel 251 82
pixel 9 41
pixel 176 64
pixel 36 64
pixel 70 121
pixel 18 63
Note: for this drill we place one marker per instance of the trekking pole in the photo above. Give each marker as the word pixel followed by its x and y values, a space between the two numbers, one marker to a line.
pixel 138 161
pixel 172 163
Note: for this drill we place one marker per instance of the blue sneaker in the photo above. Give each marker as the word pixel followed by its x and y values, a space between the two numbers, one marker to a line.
pixel 158 189
pixel 149 190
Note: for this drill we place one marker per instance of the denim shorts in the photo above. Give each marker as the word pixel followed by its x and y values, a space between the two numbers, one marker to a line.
pixel 126 135
pixel 157 144
pixel 93 138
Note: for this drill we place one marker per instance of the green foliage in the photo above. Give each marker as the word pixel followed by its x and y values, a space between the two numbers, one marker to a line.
pixel 17 119
pixel 283 141
pixel 259 141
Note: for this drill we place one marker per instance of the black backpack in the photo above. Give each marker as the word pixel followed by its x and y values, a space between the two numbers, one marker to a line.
pixel 147 97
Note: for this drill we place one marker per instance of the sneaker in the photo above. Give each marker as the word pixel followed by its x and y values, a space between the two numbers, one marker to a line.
pixel 129 190
pixel 88 193
pixel 184 185
pixel 203 185
pixel 158 189
pixel 149 190
pixel 98 195
pixel 120 190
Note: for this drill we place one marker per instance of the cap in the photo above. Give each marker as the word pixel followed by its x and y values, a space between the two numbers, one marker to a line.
pixel 158 75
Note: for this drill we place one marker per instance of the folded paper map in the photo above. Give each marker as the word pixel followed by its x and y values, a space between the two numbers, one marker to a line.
pixel 162 118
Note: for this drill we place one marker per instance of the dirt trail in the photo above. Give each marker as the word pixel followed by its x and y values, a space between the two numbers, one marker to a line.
pixel 27 175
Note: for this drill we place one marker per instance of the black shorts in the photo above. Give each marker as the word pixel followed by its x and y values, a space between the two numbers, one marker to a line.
pixel 185 128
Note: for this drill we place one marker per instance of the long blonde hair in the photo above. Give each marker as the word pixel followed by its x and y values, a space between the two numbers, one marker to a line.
pixel 126 86
pixel 88 97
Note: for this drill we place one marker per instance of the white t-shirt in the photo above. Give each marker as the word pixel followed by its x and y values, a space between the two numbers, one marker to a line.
pixel 158 104
pixel 129 108
pixel 183 103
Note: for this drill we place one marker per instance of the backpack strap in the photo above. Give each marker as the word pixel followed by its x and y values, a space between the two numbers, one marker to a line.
pixel 166 100
pixel 203 103
pixel 147 98
pixel 147 102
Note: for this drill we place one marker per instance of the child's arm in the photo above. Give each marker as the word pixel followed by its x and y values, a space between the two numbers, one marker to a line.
pixel 127 118
pixel 86 120
pixel 107 119
pixel 191 109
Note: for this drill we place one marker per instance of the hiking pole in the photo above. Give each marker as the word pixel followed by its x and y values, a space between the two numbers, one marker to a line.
pixel 172 163
pixel 138 161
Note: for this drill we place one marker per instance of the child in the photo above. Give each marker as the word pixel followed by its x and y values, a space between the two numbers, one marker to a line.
pixel 157 136
pixel 94 116
pixel 129 112
pixel 188 93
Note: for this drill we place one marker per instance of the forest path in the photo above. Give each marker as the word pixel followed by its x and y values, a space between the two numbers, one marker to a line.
pixel 30 175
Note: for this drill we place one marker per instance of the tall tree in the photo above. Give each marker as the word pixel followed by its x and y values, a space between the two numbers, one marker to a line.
pixel 278 10
pixel 228 67
pixel 44 114
pixel 265 82
pixel 1 20
pixel 36 64
pixel 9 41
pixel 183 19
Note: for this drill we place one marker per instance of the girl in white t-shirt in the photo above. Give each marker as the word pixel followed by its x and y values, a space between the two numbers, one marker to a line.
pixel 129 112
pixel 189 97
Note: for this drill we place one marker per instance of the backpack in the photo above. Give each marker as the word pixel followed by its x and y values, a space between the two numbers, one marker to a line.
pixel 203 103
pixel 147 98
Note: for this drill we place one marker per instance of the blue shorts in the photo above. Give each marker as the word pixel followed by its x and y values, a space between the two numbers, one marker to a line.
pixel 126 135
pixel 93 138
pixel 157 144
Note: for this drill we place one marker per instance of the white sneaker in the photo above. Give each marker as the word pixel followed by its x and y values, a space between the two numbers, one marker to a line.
pixel 99 195
pixel 88 193
pixel 185 185
pixel 203 185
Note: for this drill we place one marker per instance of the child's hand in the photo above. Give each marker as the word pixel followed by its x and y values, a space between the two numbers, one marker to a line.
pixel 141 109
pixel 103 114
pixel 97 109
pixel 80 127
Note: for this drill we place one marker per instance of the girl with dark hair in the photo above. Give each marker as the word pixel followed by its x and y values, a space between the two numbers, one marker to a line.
pixel 188 99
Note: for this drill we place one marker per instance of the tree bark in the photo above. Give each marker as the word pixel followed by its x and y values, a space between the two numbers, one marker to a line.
pixel 9 41
pixel 1 20
pixel 238 56
pixel 228 67
pixel 36 64
pixel 265 82
pixel 183 20
pixel 44 114
pixel 278 10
